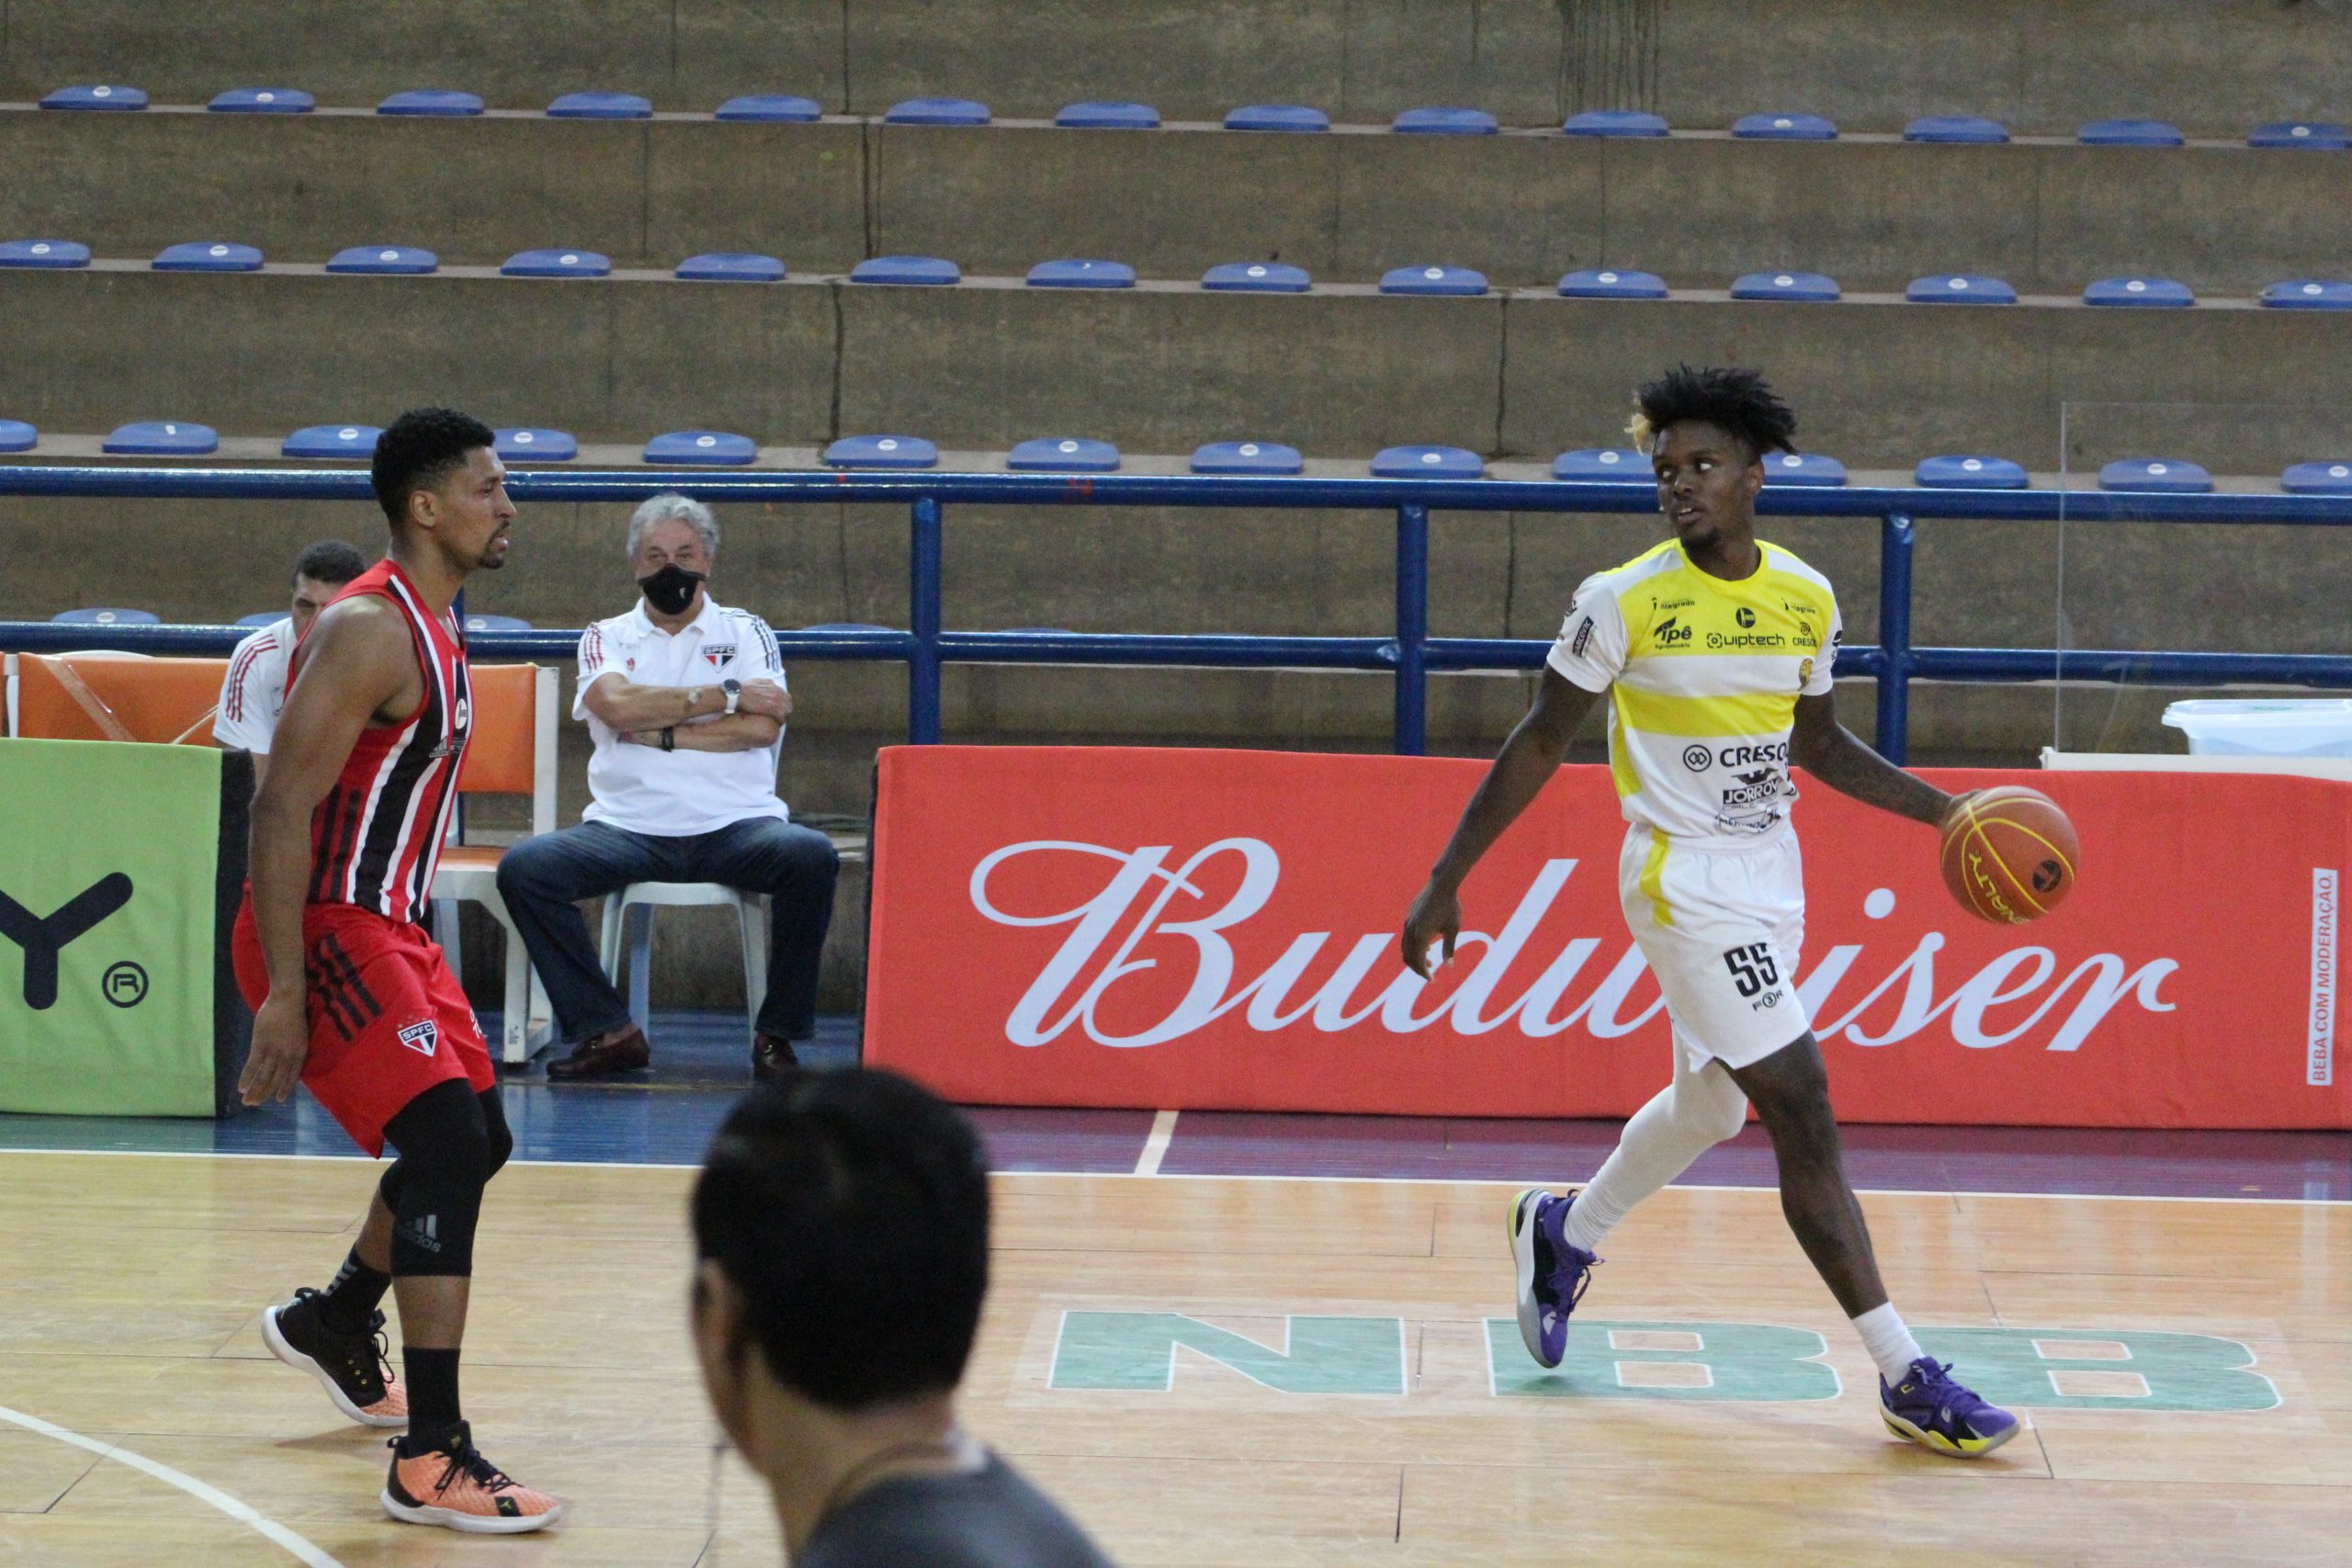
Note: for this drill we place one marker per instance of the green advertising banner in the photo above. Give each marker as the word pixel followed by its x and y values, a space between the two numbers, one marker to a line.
pixel 114 914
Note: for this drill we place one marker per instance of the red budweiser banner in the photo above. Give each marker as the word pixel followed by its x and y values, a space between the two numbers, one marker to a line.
pixel 1217 929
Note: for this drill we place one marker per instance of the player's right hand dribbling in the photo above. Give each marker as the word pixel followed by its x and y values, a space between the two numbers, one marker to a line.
pixel 281 1044
pixel 1435 914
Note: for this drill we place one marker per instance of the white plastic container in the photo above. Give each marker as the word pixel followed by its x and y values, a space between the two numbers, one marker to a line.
pixel 2275 727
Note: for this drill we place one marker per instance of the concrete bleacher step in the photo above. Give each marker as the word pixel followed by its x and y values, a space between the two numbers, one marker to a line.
pixel 1523 208
pixel 2040 66
pixel 1160 367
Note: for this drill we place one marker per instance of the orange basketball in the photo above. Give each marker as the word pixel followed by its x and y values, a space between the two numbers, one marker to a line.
pixel 2009 855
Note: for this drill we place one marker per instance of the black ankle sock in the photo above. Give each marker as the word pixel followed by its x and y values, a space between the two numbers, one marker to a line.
pixel 432 1396
pixel 345 1306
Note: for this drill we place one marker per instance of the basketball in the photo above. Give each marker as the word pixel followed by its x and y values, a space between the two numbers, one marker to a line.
pixel 2009 855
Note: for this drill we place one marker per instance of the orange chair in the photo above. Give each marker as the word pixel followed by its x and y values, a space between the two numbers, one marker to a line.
pixel 113 696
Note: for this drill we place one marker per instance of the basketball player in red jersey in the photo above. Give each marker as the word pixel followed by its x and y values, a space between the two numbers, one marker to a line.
pixel 351 998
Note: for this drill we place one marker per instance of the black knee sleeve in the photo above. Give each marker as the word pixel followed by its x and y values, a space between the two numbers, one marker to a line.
pixel 502 1142
pixel 445 1159
pixel 389 1189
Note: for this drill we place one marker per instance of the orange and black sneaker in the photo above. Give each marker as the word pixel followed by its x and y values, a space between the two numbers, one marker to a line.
pixel 355 1369
pixel 455 1487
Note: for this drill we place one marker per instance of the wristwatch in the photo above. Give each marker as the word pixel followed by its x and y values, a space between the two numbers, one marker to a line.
pixel 734 690
pixel 669 740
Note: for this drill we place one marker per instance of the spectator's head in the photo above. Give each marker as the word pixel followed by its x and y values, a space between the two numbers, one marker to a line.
pixel 842 1223
pixel 320 572
pixel 673 543
pixel 436 471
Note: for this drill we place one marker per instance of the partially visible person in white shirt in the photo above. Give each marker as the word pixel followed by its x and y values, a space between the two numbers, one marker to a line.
pixel 254 688
pixel 685 700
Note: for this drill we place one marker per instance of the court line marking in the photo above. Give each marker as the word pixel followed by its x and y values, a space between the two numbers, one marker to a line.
pixel 1513 1183
pixel 1155 1147
pixel 212 1495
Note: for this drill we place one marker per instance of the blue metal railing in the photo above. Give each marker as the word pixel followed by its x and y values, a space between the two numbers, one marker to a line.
pixel 1410 653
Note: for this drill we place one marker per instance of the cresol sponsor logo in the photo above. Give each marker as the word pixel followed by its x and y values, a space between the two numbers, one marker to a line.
pixel 1143 898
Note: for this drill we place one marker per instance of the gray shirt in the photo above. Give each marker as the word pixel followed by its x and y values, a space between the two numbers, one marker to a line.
pixel 990 1517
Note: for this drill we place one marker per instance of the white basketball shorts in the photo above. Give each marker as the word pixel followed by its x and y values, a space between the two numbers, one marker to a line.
pixel 1721 931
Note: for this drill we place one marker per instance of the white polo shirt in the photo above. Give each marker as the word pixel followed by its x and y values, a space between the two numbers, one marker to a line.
pixel 644 789
pixel 255 689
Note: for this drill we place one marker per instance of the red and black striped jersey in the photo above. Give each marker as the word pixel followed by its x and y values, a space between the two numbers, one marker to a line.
pixel 376 837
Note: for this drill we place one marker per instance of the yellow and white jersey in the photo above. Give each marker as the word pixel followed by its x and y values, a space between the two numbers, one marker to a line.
pixel 1704 677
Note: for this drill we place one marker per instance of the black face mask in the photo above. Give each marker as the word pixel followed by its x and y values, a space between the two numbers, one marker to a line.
pixel 671 589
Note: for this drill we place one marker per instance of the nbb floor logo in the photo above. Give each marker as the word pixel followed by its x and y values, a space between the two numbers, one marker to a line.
pixel 2044 1369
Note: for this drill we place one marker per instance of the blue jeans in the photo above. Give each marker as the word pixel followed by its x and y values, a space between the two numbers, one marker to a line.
pixel 543 878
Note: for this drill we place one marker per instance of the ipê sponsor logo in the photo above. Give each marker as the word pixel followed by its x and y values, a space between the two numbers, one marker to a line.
pixel 1161 950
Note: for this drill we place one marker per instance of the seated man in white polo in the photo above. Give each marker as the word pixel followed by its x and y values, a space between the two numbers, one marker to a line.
pixel 254 688
pixel 686 703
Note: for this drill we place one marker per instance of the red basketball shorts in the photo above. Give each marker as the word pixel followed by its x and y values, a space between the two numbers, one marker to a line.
pixel 388 1021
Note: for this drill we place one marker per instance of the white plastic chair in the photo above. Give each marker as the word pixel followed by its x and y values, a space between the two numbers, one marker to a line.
pixel 642 898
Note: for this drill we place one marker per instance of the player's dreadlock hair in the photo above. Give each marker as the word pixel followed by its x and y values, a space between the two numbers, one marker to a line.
pixel 1737 399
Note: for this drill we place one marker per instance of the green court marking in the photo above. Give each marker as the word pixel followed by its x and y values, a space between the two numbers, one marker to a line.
pixel 1695 1361
pixel 1137 1350
pixel 2102 1368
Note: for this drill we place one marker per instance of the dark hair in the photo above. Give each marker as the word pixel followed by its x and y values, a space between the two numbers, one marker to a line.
pixel 1738 400
pixel 329 560
pixel 419 450
pixel 851 1210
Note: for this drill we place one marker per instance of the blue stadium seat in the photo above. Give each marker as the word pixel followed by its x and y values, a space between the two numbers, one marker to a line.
pixel 2317 478
pixel 388 261
pixel 44 253
pixel 2164 476
pixel 600 105
pixel 1960 288
pixel 1427 463
pixel 1810 288
pixel 1614 122
pixel 910 270
pixel 1433 280
pixel 1445 122
pixel 556 264
pixel 118 99
pixel 2307 294
pixel 2148 293
pixel 1065 456
pixel 2131 133
pixel 260 618
pixel 1258 277
pixel 1803 469
pixel 530 443
pixel 1076 273
pixel 1783 128
pixel 937 111
pixel 1277 117
pixel 95 617
pixel 1598 463
pixel 731 266
pixel 263 100
pixel 163 438
pixel 2317 135
pixel 1247 457
pixel 1104 115
pixel 717 447
pixel 1612 283
pixel 486 623
pixel 1970 473
pixel 783 109
pixel 202 256
pixel 346 441
pixel 15 436
pixel 430 103
pixel 1973 128
pixel 882 452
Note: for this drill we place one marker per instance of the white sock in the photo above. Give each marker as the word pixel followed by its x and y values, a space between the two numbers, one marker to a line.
pixel 1888 1341
pixel 1686 1119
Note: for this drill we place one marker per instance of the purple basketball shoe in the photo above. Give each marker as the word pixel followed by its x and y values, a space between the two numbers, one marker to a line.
pixel 1551 1274
pixel 1936 1412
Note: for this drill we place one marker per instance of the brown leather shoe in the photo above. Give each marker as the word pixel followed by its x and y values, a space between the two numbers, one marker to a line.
pixel 621 1050
pixel 772 1061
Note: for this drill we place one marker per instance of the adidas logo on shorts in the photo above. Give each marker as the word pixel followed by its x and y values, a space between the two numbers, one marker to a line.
pixel 421 1038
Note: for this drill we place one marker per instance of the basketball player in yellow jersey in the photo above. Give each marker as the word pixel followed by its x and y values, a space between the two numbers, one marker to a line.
pixel 1715 650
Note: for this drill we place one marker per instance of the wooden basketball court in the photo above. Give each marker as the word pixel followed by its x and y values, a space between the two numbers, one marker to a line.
pixel 1224 1370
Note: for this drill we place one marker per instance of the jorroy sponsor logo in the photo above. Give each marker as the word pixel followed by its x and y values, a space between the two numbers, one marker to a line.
pixel 1155 953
